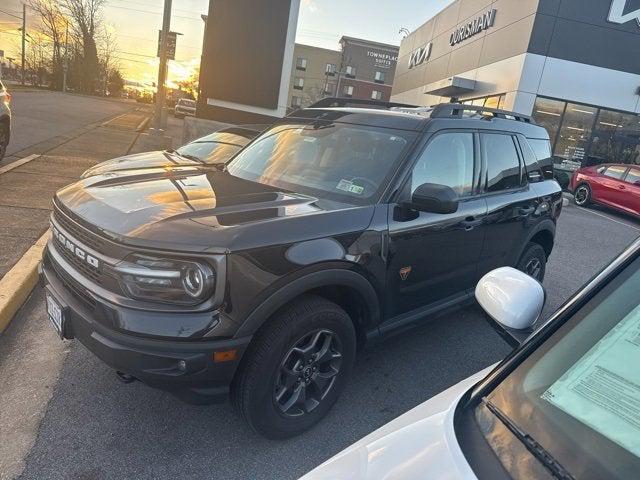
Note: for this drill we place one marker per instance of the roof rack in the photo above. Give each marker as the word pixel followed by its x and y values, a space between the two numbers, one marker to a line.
pixel 447 110
pixel 330 102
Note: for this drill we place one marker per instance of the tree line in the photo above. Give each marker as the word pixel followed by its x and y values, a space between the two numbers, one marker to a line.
pixel 72 45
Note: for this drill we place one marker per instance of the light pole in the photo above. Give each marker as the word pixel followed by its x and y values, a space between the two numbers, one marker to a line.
pixel 24 34
pixel 162 70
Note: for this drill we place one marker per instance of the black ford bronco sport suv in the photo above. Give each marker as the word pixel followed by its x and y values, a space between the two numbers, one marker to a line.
pixel 261 278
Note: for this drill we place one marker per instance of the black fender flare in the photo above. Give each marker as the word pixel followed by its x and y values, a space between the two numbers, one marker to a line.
pixel 332 277
pixel 545 225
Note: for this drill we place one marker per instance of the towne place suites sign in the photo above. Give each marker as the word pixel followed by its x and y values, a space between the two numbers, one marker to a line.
pixel 472 28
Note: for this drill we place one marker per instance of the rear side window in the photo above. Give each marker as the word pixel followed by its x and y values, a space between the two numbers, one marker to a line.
pixel 502 162
pixel 542 150
pixel 633 176
pixel 533 168
pixel 616 172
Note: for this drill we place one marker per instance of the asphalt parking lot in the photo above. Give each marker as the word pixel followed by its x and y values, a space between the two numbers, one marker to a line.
pixel 95 427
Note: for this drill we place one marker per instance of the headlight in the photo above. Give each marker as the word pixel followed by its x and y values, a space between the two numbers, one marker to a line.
pixel 166 280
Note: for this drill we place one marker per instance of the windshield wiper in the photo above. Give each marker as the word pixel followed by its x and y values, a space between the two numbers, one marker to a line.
pixel 537 450
pixel 190 157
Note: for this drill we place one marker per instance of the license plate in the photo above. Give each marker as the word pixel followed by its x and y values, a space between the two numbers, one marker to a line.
pixel 55 313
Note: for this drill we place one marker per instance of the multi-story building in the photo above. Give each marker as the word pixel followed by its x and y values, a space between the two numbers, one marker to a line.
pixel 362 70
pixel 367 69
pixel 314 75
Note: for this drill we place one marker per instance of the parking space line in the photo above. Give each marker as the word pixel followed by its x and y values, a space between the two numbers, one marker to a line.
pixel 609 218
pixel 18 163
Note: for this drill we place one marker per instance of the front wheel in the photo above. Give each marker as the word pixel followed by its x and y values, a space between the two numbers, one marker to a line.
pixel 296 368
pixel 533 261
pixel 582 195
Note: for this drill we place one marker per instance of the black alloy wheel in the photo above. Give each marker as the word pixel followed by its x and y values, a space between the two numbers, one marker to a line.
pixel 533 261
pixel 295 368
pixel 308 372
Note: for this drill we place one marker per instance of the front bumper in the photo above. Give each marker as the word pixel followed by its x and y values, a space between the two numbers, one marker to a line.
pixel 155 362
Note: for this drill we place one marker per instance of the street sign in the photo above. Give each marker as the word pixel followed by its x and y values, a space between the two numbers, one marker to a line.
pixel 171 44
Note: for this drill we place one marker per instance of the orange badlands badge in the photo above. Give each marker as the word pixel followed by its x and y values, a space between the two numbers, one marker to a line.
pixel 404 273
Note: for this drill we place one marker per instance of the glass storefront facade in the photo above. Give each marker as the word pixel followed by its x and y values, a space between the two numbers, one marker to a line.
pixel 494 101
pixel 583 135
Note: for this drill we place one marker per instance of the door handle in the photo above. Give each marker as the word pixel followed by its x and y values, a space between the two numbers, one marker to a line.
pixel 470 223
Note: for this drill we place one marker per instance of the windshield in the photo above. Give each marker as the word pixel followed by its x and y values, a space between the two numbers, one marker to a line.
pixel 336 161
pixel 211 153
pixel 578 395
pixel 187 103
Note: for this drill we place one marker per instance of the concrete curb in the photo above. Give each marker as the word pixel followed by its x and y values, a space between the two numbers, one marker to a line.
pixel 18 282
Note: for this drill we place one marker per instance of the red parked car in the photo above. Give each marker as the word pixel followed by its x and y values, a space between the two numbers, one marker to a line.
pixel 616 186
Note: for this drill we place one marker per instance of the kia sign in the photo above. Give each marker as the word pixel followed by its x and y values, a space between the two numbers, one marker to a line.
pixel 617 15
pixel 419 56
pixel 473 28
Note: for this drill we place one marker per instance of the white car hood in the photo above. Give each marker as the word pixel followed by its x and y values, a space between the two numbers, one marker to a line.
pixel 420 444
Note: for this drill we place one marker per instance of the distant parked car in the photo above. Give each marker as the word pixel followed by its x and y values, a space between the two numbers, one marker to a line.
pixel 5 120
pixel 616 186
pixel 185 107
pixel 563 405
pixel 216 148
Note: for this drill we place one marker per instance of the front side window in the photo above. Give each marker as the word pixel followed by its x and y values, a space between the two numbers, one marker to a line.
pixel 332 161
pixel 616 172
pixel 447 160
pixel 503 164
pixel 578 394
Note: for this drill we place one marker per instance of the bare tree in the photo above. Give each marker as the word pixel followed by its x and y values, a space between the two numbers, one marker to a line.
pixel 86 17
pixel 52 25
pixel 107 60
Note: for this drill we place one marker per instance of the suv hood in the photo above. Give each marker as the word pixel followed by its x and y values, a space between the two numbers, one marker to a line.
pixel 157 159
pixel 417 445
pixel 199 209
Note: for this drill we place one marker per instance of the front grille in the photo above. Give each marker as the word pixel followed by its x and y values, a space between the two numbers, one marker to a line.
pixel 72 285
pixel 80 233
pixel 91 273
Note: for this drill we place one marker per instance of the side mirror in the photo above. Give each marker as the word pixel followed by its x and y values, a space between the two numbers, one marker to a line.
pixel 434 198
pixel 513 300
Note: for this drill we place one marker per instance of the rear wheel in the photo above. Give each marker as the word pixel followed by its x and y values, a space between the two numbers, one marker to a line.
pixel 4 139
pixel 296 368
pixel 533 261
pixel 582 195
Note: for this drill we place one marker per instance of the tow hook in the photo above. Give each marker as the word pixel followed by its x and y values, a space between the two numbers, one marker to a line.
pixel 125 377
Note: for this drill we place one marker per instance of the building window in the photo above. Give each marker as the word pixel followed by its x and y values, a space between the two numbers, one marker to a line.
pixel 347 90
pixel 548 113
pixel 574 135
pixel 616 138
pixel 350 72
pixel 495 101
pixel 379 77
pixel 376 95
pixel 329 89
pixel 301 64
pixel 331 69
pixel 298 83
pixel 296 102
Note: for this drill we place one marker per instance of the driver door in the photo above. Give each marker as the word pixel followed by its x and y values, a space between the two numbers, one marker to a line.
pixel 433 257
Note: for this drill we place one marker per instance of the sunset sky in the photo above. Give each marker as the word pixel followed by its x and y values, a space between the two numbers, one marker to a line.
pixel 321 23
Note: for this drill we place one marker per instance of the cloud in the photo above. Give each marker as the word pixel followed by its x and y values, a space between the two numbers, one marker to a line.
pixel 311 5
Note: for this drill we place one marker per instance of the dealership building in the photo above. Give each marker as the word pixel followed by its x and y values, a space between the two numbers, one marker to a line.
pixel 574 65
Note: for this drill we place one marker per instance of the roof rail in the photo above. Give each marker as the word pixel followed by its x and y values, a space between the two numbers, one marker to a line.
pixel 330 102
pixel 446 110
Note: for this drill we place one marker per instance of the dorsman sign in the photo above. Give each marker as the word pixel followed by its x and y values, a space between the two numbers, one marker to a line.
pixel 617 15
pixel 473 27
pixel 419 56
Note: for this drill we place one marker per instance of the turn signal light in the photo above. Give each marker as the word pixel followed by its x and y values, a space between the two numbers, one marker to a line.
pixel 225 356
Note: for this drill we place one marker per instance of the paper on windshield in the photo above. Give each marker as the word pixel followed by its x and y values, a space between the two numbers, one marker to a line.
pixel 602 390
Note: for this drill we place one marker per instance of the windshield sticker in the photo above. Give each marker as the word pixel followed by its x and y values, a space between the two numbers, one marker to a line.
pixel 602 390
pixel 349 186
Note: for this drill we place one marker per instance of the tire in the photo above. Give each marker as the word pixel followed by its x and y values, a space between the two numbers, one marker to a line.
pixel 261 391
pixel 4 139
pixel 582 195
pixel 533 261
